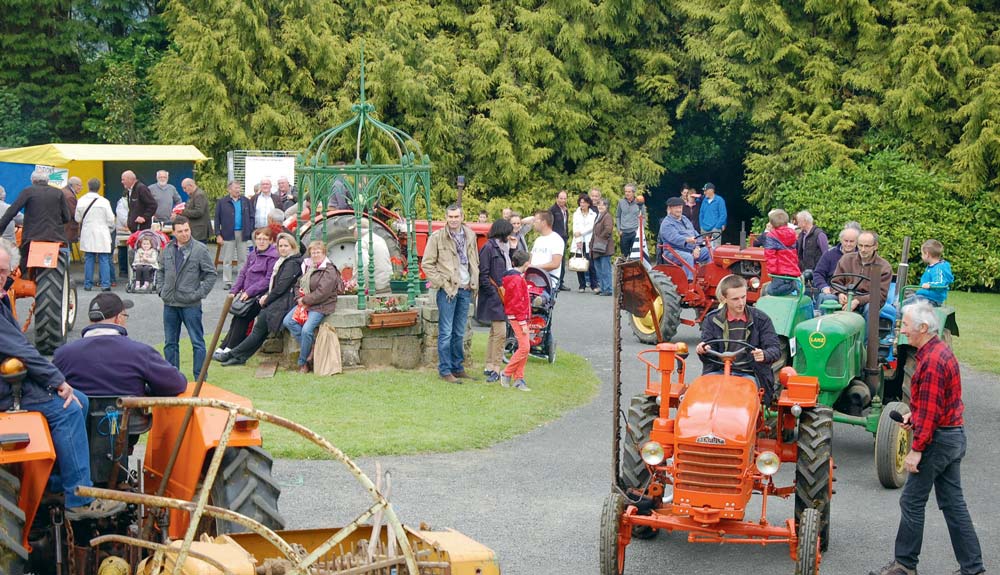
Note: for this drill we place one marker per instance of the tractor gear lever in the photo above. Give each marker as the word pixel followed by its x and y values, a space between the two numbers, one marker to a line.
pixel 13 371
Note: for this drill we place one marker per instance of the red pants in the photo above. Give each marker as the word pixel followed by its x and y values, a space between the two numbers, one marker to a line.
pixel 515 368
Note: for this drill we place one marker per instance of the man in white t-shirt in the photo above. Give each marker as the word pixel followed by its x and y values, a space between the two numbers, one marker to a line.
pixel 547 251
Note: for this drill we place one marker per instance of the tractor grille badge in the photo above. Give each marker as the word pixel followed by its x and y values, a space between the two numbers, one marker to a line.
pixel 710 440
pixel 817 340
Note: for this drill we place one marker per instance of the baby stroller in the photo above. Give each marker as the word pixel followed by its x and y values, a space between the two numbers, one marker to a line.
pixel 158 241
pixel 543 343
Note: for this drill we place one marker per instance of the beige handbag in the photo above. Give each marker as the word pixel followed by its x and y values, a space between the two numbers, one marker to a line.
pixel 326 353
pixel 578 263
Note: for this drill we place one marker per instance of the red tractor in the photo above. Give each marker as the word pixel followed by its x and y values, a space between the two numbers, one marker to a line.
pixel 691 455
pixel 672 292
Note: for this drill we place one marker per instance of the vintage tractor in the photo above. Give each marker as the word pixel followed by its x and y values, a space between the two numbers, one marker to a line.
pixel 221 486
pixel 671 291
pixel 48 282
pixel 692 454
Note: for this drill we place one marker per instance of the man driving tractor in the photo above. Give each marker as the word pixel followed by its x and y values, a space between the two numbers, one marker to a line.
pixel 735 321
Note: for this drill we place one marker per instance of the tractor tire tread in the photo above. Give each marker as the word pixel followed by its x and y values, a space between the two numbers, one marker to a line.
pixel 812 469
pixel 808 529
pixel 642 412
pixel 13 554
pixel 245 485
pixel 48 307
pixel 614 506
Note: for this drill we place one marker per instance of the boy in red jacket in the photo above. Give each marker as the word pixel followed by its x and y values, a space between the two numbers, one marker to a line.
pixel 517 306
pixel 779 251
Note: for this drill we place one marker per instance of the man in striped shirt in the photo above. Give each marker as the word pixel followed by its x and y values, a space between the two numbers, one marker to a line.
pixel 935 457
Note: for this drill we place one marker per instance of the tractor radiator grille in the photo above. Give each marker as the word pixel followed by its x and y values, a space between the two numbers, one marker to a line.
pixel 709 469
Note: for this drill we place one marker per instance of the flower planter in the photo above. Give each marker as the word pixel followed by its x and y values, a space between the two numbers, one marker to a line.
pixel 386 319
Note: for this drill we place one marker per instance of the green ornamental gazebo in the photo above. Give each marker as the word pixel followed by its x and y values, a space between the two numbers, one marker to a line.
pixel 367 183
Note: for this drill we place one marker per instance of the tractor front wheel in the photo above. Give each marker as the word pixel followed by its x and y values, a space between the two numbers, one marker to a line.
pixel 244 484
pixel 809 553
pixel 55 306
pixel 892 443
pixel 667 307
pixel 13 555
pixel 612 561
pixel 813 481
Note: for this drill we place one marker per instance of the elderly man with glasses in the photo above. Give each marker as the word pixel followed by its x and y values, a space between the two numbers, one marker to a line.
pixel 861 262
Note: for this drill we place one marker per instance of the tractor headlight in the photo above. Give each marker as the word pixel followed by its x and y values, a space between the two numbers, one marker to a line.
pixel 768 462
pixel 652 453
pixel 796 410
pixel 754 283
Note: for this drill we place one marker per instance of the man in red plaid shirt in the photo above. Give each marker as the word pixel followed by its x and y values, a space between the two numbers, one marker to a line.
pixel 938 446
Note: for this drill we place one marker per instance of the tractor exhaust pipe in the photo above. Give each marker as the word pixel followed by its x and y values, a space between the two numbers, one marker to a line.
pixel 902 277
pixel 743 236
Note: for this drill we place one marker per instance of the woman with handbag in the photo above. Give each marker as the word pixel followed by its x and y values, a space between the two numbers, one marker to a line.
pixel 282 288
pixel 583 228
pixel 250 285
pixel 494 261
pixel 318 291
pixel 602 246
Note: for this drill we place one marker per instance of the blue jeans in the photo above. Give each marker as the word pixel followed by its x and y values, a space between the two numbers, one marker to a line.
pixel 104 265
pixel 603 265
pixel 173 317
pixel 305 334
pixel 703 258
pixel 940 468
pixel 453 314
pixel 68 428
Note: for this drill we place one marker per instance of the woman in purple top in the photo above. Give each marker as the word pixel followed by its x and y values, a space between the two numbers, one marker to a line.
pixel 250 285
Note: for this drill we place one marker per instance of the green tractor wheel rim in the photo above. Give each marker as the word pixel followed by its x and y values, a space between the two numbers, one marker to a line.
pixel 645 323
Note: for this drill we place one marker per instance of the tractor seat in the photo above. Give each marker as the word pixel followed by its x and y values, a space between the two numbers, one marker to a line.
pixel 103 426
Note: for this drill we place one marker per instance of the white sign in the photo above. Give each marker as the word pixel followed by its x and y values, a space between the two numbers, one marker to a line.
pixel 257 168
pixel 57 176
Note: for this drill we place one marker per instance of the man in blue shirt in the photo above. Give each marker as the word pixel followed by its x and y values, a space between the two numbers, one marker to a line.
pixel 677 232
pixel 233 229
pixel 712 216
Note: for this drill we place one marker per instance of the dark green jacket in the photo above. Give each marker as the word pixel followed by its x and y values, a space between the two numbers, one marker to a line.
pixel 187 286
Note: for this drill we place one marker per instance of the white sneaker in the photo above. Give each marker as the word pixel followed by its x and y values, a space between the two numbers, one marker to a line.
pixel 504 380
pixel 521 385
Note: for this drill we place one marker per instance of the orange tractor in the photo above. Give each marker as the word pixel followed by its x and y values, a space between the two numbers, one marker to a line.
pixel 202 500
pixel 692 454
pixel 671 292
pixel 48 282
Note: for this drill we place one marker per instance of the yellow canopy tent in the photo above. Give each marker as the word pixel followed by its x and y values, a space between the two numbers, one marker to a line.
pixel 102 161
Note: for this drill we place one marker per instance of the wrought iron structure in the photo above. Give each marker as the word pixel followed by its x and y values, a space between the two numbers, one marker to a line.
pixel 319 175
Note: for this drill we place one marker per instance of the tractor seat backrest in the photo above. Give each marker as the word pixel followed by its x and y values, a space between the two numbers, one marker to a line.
pixel 103 425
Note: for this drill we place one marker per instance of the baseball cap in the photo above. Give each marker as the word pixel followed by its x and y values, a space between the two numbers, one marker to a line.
pixel 107 305
pixel 708 186
pixel 674 201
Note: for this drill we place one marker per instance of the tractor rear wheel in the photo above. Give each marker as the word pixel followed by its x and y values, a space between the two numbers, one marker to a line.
pixel 892 443
pixel 244 485
pixel 813 481
pixel 13 555
pixel 612 563
pixel 809 543
pixel 668 311
pixel 55 306
pixel 638 425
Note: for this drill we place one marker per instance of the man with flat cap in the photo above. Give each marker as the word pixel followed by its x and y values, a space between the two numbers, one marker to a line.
pixel 678 232
pixel 126 366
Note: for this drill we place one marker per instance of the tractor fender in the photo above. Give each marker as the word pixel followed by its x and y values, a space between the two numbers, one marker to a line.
pixel 201 439
pixel 786 312
pixel 35 459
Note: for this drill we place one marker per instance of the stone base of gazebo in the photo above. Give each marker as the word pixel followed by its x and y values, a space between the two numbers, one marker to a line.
pixel 362 346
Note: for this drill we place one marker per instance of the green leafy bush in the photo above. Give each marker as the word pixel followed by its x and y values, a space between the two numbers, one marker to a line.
pixel 896 198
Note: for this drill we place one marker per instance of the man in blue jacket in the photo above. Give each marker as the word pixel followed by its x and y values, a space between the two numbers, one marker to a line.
pixel 127 367
pixel 712 215
pixel 677 232
pixel 45 390
pixel 233 230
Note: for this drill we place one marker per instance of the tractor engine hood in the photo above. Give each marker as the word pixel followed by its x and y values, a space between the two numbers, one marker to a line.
pixel 718 410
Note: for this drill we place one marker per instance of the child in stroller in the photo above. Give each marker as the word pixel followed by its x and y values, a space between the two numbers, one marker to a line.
pixel 144 254
pixel 541 293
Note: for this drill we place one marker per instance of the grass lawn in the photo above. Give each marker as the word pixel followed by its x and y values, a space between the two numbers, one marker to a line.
pixel 979 342
pixel 390 411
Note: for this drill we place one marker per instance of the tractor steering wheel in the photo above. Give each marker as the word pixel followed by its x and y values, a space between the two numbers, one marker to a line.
pixel 731 356
pixel 709 237
pixel 850 289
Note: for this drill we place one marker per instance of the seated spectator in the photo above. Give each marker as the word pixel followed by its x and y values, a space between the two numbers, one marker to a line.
pixel 279 299
pixel 937 278
pixel 779 251
pixel 46 391
pixel 250 285
pixel 861 262
pixel 828 263
pixel 319 287
pixel 127 367
pixel 276 223
pixel 677 232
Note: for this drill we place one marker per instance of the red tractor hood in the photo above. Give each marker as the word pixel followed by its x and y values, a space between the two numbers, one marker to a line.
pixel 718 410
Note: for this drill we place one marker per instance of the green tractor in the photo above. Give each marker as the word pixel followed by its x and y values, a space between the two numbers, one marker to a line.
pixel 864 375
